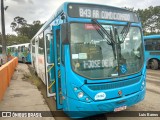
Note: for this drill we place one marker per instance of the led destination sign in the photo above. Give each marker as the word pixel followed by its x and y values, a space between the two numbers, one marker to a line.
pixel 101 12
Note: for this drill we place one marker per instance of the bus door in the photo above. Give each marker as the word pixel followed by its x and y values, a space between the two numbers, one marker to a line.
pixel 49 63
pixel 57 51
pixel 52 55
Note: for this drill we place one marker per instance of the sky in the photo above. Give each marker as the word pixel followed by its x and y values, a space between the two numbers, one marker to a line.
pixel 42 10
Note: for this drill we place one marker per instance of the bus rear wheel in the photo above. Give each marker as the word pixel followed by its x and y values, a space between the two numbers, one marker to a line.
pixel 154 64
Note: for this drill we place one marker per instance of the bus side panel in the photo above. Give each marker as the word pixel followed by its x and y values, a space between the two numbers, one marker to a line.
pixel 41 67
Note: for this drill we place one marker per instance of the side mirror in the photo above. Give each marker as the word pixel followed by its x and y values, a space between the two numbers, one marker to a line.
pixel 64 33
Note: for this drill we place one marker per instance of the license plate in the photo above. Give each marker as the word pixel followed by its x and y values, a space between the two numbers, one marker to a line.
pixel 120 108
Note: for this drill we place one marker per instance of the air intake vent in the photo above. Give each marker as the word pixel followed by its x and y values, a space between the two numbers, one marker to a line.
pixel 113 85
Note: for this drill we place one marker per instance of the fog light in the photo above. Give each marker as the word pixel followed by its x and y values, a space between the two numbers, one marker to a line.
pixel 87 99
pixel 80 94
pixel 143 83
pixel 75 89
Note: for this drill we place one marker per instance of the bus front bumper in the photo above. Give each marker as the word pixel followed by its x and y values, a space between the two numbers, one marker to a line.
pixel 79 109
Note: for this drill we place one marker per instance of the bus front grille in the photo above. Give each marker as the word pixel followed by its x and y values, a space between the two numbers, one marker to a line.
pixel 113 85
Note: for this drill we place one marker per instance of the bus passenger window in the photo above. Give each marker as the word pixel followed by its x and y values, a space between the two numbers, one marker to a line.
pixel 22 48
pixel 12 49
pixel 15 50
pixel 41 44
pixel 49 45
pixel 48 52
pixel 157 45
pixel 19 49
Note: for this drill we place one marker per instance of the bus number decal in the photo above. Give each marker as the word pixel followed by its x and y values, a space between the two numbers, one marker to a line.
pixel 84 12
pixel 103 14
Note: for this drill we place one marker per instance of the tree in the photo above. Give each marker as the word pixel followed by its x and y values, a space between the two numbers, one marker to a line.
pixel 25 31
pixel 18 23
pixel 20 26
pixel 150 18
pixel 33 29
pixel 13 39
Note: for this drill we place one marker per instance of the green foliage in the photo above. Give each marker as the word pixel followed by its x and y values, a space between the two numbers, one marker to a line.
pixel 150 18
pixel 18 23
pixel 29 30
pixel 20 26
pixel 33 28
pixel 13 39
pixel 24 31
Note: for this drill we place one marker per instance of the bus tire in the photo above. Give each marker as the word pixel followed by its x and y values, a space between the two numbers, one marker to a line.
pixel 154 64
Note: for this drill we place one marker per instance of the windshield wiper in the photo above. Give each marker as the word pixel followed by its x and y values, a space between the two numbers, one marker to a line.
pixel 125 31
pixel 102 31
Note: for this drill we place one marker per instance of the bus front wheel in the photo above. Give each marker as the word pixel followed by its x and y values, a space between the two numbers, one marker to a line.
pixel 154 64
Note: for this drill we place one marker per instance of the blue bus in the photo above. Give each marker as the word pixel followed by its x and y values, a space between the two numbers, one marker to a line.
pixel 91 58
pixel 22 51
pixel 152 51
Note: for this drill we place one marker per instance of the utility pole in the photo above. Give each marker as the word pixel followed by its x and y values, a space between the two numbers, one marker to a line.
pixel 3 29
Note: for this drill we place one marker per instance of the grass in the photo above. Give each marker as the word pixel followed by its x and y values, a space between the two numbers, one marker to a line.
pixel 32 78
pixel 35 80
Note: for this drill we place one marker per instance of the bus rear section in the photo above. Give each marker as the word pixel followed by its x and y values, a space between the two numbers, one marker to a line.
pixel 92 59
pixel 152 51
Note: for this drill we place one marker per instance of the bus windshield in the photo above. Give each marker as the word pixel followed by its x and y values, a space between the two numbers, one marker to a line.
pixel 95 58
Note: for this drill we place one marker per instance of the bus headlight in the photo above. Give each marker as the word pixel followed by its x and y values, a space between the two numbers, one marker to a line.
pixel 143 82
pixel 75 89
pixel 80 94
pixel 143 85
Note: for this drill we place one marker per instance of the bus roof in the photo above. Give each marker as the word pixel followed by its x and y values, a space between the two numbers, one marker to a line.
pixel 24 44
pixel 151 37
